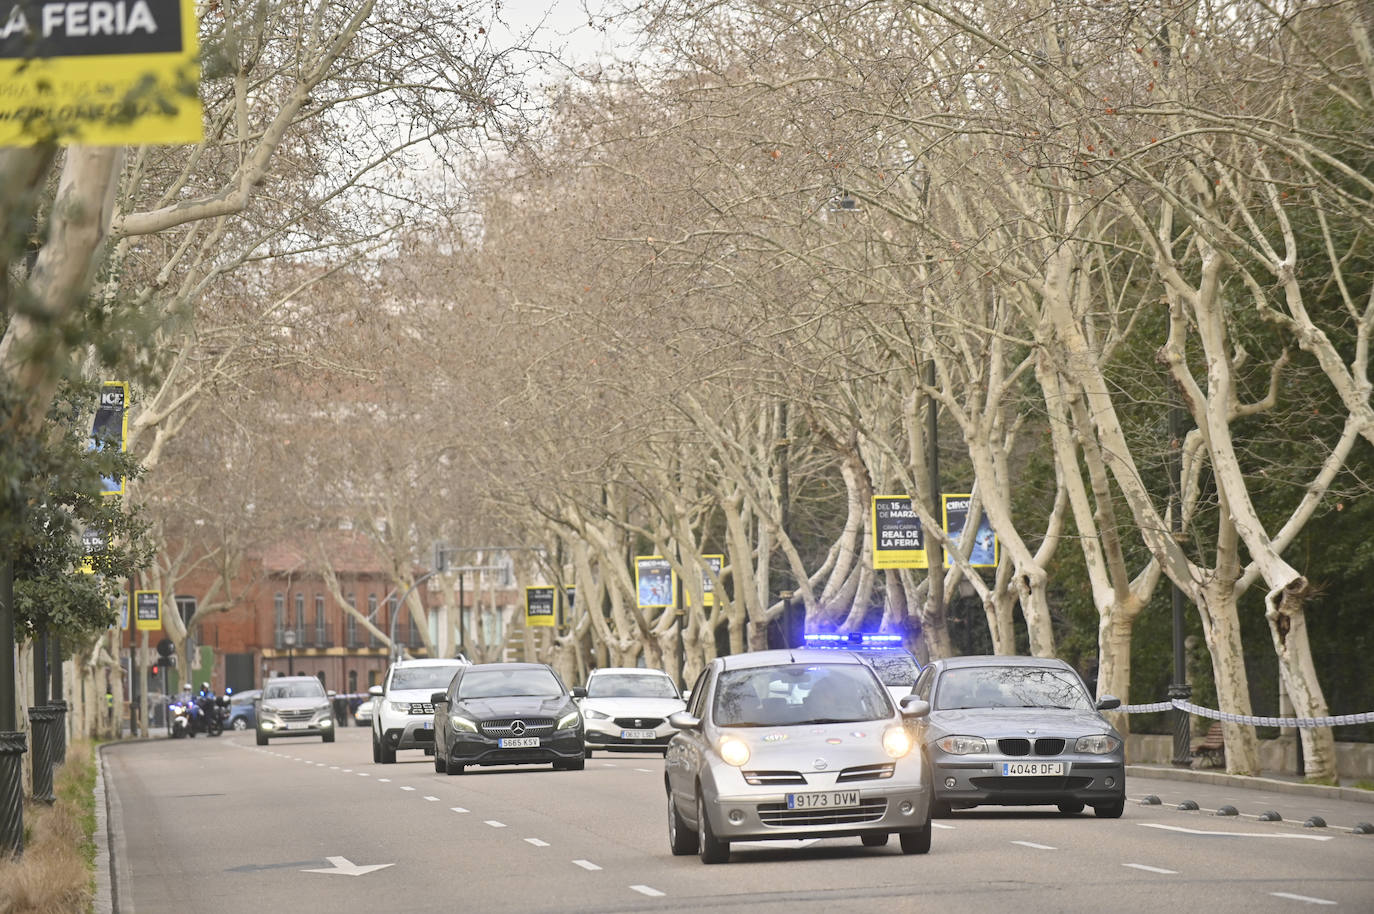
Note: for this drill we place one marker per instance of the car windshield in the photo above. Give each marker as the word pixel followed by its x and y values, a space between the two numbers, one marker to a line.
pixel 311 689
pixel 798 693
pixel 630 685
pixel 1010 687
pixel 894 668
pixel 432 678
pixel 503 683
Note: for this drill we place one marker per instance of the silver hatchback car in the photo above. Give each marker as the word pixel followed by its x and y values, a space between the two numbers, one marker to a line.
pixel 794 744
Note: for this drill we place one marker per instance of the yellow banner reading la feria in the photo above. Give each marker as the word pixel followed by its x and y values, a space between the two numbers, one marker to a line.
pixel 99 72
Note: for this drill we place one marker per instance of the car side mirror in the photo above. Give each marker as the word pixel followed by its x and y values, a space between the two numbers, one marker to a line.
pixel 374 690
pixel 686 694
pixel 1108 703
pixel 913 706
pixel 438 697
pixel 579 692
pixel 684 721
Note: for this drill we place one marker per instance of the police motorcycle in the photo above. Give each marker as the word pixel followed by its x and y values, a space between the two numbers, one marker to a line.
pixel 179 715
pixel 205 712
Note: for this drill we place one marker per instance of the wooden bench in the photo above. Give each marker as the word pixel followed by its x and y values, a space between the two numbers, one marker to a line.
pixel 1211 749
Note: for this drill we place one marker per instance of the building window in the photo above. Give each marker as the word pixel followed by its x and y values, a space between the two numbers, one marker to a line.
pixel 321 629
pixel 372 616
pixel 352 681
pixel 300 619
pixel 279 606
pixel 351 625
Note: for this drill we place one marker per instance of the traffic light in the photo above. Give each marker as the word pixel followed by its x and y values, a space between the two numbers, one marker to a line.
pixel 156 669
pixel 165 648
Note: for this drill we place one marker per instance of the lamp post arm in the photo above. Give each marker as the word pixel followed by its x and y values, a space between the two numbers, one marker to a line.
pixel 400 607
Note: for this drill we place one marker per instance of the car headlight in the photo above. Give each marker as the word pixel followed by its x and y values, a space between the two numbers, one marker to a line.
pixel 593 714
pixel 896 742
pixel 267 709
pixel 963 745
pixel 400 707
pixel 459 722
pixel 567 720
pixel 734 751
pixel 1099 744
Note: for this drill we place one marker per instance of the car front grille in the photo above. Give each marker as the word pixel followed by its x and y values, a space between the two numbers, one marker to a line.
pixel 421 707
pixel 1043 746
pixel 758 778
pixel 638 723
pixel 777 815
pixel 866 772
pixel 296 716
pixel 534 726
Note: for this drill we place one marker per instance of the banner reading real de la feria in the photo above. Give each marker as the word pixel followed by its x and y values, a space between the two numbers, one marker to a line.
pixel 897 534
pixel 100 72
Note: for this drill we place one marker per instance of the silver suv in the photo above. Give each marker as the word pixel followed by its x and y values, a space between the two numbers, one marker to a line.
pixel 404 715
pixel 294 706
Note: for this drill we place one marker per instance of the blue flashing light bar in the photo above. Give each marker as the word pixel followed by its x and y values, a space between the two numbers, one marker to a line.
pixel 852 640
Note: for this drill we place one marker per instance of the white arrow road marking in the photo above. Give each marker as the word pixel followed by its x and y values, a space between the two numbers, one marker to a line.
pixel 343 866
pixel 586 864
pixel 536 842
pixel 1236 834
pixel 1305 898
pixel 647 890
pixel 1032 844
pixel 1151 869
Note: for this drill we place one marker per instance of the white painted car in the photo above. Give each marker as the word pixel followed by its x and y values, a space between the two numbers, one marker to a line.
pixel 403 716
pixel 627 708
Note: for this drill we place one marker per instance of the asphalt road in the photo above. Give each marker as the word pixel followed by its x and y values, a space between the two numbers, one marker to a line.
pixel 223 826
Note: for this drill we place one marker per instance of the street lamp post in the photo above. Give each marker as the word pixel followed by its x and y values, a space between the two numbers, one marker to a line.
pixel 288 638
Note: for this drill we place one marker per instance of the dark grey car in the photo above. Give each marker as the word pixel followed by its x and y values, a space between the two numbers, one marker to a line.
pixel 507 714
pixel 1018 731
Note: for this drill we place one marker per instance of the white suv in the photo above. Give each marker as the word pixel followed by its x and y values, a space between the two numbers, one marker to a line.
pixel 404 716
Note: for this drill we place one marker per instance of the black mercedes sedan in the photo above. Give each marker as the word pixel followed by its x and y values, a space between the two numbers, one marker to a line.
pixel 507 714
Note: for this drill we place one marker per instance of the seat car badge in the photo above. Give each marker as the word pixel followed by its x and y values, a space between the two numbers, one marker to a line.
pixel 820 764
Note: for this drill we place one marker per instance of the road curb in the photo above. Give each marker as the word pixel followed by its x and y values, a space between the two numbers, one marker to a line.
pixel 112 883
pixel 1254 783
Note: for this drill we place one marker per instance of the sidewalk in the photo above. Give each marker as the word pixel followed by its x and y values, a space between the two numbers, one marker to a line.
pixel 1290 784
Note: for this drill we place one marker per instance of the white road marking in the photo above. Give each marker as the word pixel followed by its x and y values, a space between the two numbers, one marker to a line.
pixel 536 842
pixel 407 788
pixel 608 764
pixel 1306 898
pixel 646 771
pixel 586 864
pixel 432 799
pixel 383 780
pixel 494 824
pixel 1236 834
pixel 647 890
pixel 457 809
pixel 348 771
pixel 333 767
pixel 942 825
pixel 1151 869
pixel 345 867
pixel 364 774
pixel 1039 847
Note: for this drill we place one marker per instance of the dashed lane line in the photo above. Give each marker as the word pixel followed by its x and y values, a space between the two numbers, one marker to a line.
pixel 1151 869
pixel 646 771
pixel 647 890
pixel 586 865
pixel 406 787
pixel 432 799
pixel 942 825
pixel 1307 898
pixel 1236 834
pixel 494 824
pixel 1032 844
pixel 457 809
pixel 383 780
pixel 536 842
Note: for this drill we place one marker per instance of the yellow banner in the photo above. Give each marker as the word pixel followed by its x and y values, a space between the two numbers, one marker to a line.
pixel 99 72
pixel 898 541
pixel 540 611
pixel 147 610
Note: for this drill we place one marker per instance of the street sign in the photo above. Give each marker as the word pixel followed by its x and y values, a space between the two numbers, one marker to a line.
pixel 99 72
pixel 540 609
pixel 898 540
pixel 147 610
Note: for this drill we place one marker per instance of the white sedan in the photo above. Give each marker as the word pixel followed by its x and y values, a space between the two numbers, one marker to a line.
pixel 627 708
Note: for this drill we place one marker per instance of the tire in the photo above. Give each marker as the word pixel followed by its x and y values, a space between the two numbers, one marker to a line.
pixel 681 839
pixel 874 839
pixel 440 766
pixel 709 848
pixel 1071 807
pixel 262 738
pixel 1110 810
pixel 327 737
pixel 916 841
pixel 239 723
pixel 388 755
pixel 376 751
pixel 451 767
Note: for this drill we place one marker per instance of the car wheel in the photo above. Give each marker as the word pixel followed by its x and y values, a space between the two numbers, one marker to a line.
pixel 1071 808
pixel 452 767
pixel 874 839
pixel 440 766
pixel 388 754
pixel 1111 810
pixel 262 738
pixel 327 737
pixel 916 842
pixel 709 848
pixel 238 723
pixel 681 839
pixel 376 751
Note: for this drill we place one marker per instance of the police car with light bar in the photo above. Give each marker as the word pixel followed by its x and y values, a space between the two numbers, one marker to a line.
pixel 896 666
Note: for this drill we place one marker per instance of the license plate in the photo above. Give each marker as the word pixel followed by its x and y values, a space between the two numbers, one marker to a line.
pixel 840 799
pixel 520 742
pixel 637 734
pixel 292 725
pixel 1022 769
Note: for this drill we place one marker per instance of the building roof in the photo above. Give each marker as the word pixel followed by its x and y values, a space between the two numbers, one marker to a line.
pixel 349 552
